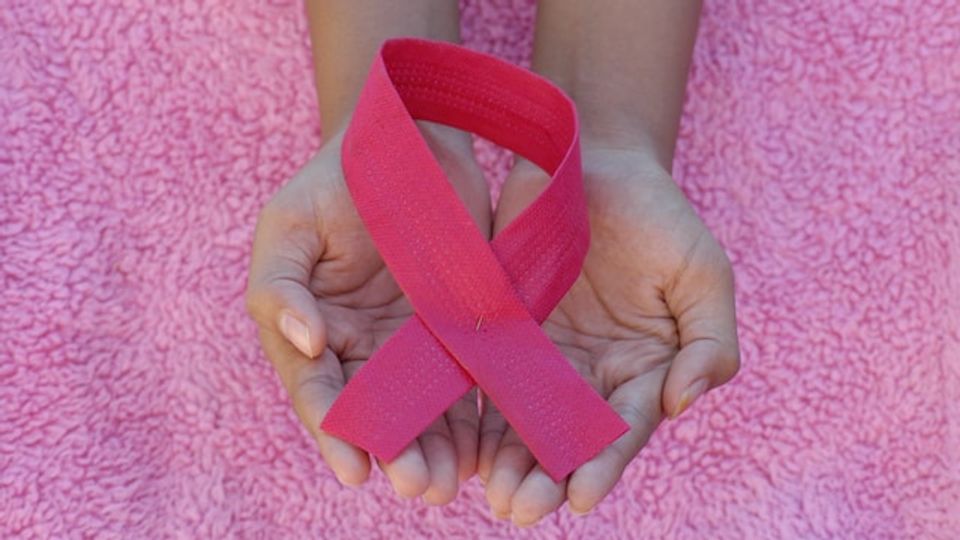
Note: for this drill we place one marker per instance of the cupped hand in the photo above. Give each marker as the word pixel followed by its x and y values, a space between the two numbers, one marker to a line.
pixel 324 302
pixel 650 324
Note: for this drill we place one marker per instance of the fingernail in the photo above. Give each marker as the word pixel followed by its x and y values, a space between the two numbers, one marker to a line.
pixel 296 332
pixel 577 512
pixel 521 524
pixel 690 395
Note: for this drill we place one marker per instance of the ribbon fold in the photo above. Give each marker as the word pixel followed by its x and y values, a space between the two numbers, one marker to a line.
pixel 478 305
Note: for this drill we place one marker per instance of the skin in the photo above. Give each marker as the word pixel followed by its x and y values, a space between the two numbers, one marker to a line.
pixel 650 323
pixel 314 264
pixel 654 301
pixel 314 261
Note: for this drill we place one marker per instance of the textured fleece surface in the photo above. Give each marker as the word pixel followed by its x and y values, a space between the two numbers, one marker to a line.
pixel 820 143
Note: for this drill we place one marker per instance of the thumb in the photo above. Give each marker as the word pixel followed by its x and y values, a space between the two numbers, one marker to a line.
pixel 286 248
pixel 702 301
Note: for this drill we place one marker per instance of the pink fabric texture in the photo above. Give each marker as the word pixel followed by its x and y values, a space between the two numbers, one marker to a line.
pixel 479 304
pixel 138 141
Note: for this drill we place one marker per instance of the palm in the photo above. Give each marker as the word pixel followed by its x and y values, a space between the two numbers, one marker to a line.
pixel 361 303
pixel 619 325
pixel 615 324
pixel 312 227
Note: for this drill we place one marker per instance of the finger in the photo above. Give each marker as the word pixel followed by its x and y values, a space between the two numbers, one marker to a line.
pixel 286 248
pixel 702 301
pixel 492 427
pixel 408 472
pixel 313 385
pixel 636 402
pixel 698 367
pixel 441 458
pixel 537 496
pixel 463 419
pixel 510 466
pixel 523 185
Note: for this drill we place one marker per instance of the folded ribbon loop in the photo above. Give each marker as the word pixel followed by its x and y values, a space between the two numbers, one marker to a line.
pixel 478 304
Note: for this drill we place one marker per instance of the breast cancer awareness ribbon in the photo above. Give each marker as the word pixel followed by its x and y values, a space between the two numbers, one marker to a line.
pixel 478 305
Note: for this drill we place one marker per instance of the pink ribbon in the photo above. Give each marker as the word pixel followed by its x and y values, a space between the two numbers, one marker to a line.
pixel 478 305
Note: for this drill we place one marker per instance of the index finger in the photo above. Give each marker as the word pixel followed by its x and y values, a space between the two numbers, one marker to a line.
pixel 638 403
pixel 313 385
pixel 286 248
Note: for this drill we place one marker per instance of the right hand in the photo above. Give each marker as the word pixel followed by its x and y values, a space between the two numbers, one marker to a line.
pixel 324 302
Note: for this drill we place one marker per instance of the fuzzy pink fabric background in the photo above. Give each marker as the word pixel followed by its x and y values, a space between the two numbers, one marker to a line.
pixel 137 143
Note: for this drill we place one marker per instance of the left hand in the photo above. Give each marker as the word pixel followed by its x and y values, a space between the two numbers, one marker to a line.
pixel 649 323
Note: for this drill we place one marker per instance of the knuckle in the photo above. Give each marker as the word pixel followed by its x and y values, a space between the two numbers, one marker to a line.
pixel 733 362
pixel 269 213
pixel 708 264
pixel 719 262
pixel 284 211
pixel 636 416
pixel 258 300
pixel 725 270
pixel 515 448
pixel 434 434
pixel 266 297
pixel 253 300
pixel 469 423
pixel 493 423
pixel 725 359
pixel 272 216
pixel 492 433
pixel 318 381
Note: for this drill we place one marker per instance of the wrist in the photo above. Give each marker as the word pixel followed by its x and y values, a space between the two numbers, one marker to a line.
pixel 601 138
pixel 625 66
pixel 345 36
pixel 610 119
pixel 606 160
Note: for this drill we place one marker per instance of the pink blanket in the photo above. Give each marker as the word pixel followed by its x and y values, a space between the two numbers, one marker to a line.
pixel 137 143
